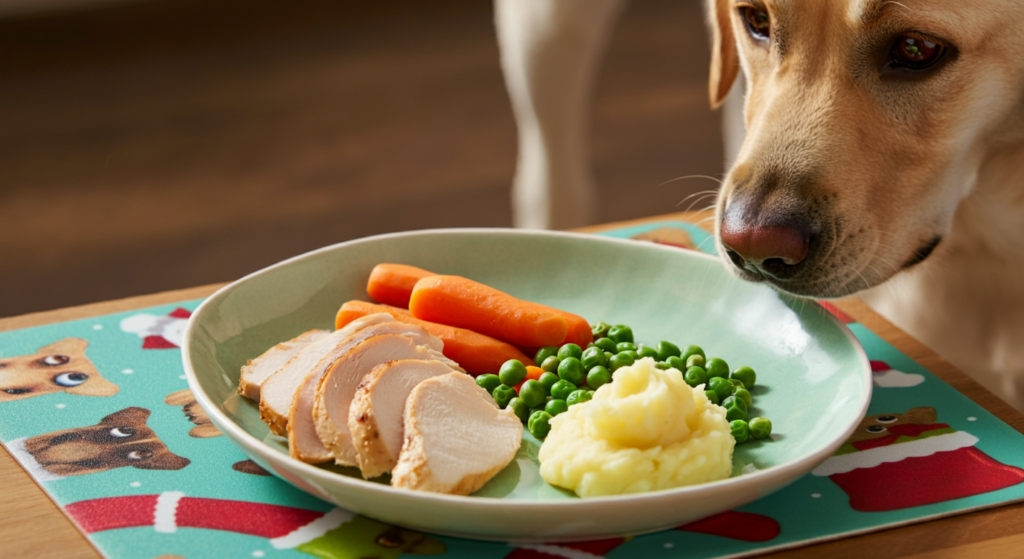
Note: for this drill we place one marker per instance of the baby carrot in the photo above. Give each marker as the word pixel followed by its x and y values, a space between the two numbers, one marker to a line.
pixel 476 353
pixel 468 304
pixel 391 284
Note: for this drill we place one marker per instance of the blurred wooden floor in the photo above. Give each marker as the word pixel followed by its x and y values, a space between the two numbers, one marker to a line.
pixel 166 144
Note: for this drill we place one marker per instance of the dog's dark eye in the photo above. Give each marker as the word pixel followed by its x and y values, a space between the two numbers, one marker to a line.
pixel 70 379
pixel 876 429
pixel 912 53
pixel 757 21
pixel 121 432
pixel 55 360
pixel 886 419
pixel 139 454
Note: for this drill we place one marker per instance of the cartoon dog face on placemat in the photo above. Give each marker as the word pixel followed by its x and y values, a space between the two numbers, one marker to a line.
pixel 120 439
pixel 59 367
pixel 193 412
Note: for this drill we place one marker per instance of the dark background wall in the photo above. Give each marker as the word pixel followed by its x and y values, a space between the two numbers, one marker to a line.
pixel 159 145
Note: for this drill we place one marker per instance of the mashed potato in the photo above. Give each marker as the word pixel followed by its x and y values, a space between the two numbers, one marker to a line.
pixel 646 430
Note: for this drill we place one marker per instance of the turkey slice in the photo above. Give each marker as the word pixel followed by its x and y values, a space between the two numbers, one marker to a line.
pixel 279 388
pixel 334 396
pixel 456 438
pixel 257 370
pixel 303 442
pixel 378 409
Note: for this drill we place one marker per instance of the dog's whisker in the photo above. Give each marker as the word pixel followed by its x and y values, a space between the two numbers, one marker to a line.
pixel 719 181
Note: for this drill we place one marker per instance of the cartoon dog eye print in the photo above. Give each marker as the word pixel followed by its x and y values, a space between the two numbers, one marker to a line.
pixel 58 367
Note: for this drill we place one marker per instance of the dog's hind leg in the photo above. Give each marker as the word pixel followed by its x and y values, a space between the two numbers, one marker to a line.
pixel 550 50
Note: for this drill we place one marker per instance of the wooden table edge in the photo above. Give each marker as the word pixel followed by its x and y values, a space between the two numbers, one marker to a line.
pixel 956 536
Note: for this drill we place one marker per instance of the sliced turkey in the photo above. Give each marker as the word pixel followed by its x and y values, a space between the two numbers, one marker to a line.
pixel 257 370
pixel 378 411
pixel 334 396
pixel 277 391
pixel 303 442
pixel 456 438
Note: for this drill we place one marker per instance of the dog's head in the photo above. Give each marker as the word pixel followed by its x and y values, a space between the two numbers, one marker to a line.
pixel 878 426
pixel 120 439
pixel 59 367
pixel 867 123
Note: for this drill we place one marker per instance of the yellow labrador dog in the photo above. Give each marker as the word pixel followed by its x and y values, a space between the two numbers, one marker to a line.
pixel 884 153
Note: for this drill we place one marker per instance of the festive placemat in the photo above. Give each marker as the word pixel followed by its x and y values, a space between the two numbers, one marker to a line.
pixel 99 413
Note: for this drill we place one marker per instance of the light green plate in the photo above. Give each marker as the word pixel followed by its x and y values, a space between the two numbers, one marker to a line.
pixel 814 380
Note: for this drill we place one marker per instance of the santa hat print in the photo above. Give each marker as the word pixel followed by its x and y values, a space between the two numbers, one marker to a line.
pixel 884 376
pixel 158 332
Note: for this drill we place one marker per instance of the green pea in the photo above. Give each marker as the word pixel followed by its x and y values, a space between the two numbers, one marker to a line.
pixel 512 372
pixel 760 427
pixel 570 350
pixel 562 389
pixel 537 409
pixel 488 382
pixel 578 397
pixel 721 387
pixel 547 380
pixel 692 350
pixel 744 394
pixel 746 375
pixel 593 357
pixel 606 344
pixel 624 346
pixel 539 424
pixel 621 360
pixel 717 368
pixel 734 408
pixel 503 394
pixel 740 430
pixel 521 410
pixel 632 354
pixel 695 361
pixel 600 329
pixel 571 369
pixel 662 365
pixel 644 351
pixel 590 345
pixel 666 350
pixel 712 396
pixel 532 393
pixel 550 364
pixel 608 357
pixel 555 407
pixel 677 364
pixel 543 353
pixel 695 376
pixel 621 333
pixel 598 377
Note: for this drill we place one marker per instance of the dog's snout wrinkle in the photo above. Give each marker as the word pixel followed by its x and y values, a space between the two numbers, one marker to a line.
pixel 65 438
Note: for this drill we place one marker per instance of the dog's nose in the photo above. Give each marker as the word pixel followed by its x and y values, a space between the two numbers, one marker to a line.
pixel 772 249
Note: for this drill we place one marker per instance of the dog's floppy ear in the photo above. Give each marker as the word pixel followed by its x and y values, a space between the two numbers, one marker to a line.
pixel 725 62
pixel 132 416
pixel 163 460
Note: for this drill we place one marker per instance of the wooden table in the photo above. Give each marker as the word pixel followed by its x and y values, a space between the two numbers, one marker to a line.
pixel 33 526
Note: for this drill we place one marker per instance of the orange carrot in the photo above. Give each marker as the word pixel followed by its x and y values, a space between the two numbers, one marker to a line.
pixel 468 304
pixel 476 353
pixel 532 373
pixel 391 284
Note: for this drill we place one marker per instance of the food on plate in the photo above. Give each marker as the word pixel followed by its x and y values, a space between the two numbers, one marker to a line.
pixel 464 303
pixel 456 439
pixel 376 418
pixel 645 430
pixel 476 353
pixel 303 440
pixel 277 391
pixel 338 387
pixel 257 370
pixel 391 284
